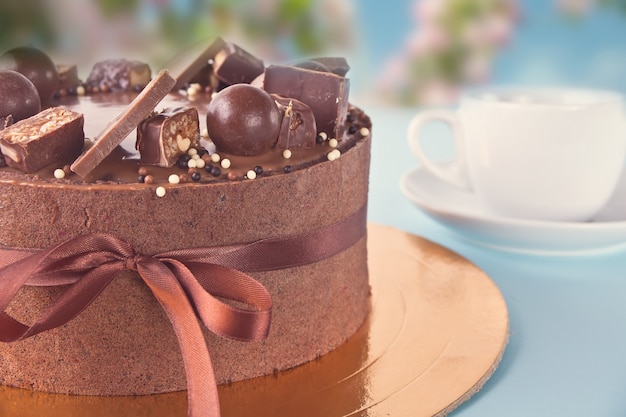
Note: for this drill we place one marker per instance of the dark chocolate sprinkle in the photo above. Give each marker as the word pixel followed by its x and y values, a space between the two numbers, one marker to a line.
pixel 182 161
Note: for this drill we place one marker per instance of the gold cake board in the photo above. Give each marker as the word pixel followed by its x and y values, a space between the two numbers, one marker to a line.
pixel 436 333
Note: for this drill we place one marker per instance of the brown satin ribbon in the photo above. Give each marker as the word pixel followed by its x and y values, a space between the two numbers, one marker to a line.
pixel 185 282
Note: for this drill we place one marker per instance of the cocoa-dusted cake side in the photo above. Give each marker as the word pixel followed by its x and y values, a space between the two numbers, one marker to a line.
pixel 123 343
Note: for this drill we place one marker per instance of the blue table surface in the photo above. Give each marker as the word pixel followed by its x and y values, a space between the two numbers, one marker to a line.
pixel 567 344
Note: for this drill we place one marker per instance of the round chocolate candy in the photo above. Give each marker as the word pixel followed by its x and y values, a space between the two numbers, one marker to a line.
pixel 19 96
pixel 36 66
pixel 243 120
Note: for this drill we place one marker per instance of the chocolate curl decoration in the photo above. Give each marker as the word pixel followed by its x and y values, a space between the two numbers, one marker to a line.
pixel 185 282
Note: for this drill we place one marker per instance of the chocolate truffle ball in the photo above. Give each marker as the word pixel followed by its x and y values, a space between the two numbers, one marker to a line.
pixel 36 66
pixel 243 120
pixel 19 96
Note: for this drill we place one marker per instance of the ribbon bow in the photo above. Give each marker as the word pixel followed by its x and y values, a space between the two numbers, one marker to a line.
pixel 185 282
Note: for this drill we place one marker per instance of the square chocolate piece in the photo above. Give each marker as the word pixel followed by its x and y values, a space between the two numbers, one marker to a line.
pixel 324 92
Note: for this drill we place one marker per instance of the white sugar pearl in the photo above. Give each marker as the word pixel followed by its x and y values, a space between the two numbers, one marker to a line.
pixel 286 154
pixel 160 191
pixel 192 152
pixel 364 131
pixel 225 163
pixel 200 163
pixel 173 179
pixel 333 155
pixel 323 135
pixel 333 143
pixel 251 174
pixel 215 157
pixel 59 173
pixel 192 163
pixel 80 90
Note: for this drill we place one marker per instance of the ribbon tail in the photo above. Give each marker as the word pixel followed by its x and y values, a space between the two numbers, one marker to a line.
pixel 201 282
pixel 201 384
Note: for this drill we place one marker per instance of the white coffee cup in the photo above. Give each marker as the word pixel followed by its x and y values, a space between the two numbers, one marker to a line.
pixel 552 154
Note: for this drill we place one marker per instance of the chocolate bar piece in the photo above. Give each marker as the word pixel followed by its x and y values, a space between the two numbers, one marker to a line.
pixel 195 64
pixel 116 131
pixel 51 136
pixel 234 65
pixel 298 129
pixel 163 137
pixel 119 75
pixel 324 92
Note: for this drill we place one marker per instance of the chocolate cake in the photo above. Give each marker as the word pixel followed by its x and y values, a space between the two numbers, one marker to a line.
pixel 260 234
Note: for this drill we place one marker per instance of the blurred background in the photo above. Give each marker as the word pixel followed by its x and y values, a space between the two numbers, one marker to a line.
pixel 403 52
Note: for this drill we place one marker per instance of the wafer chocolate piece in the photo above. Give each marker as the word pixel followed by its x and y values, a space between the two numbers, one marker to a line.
pixel 124 123
pixel 53 135
pixel 163 137
pixel 234 65
pixel 119 75
pixel 298 129
pixel 324 92
pixel 195 64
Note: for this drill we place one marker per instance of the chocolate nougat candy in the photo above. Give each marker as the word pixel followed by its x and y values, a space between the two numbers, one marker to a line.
pixel 54 135
pixel 298 129
pixel 163 137
pixel 119 75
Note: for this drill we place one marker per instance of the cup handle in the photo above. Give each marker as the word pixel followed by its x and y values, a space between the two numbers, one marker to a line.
pixel 454 173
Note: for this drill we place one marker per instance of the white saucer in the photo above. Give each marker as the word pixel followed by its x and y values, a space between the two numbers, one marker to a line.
pixel 460 211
